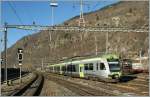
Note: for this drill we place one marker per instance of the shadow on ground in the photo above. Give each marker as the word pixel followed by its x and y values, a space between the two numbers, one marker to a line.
pixel 127 78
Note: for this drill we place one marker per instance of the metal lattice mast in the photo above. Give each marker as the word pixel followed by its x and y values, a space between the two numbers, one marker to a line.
pixel 81 20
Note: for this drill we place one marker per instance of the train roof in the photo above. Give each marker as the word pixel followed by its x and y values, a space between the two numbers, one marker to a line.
pixel 102 58
pixel 110 56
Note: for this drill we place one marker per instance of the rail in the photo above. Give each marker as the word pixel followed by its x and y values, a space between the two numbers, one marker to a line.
pixel 32 88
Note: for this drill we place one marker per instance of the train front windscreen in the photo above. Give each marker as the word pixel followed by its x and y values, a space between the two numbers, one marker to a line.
pixel 114 66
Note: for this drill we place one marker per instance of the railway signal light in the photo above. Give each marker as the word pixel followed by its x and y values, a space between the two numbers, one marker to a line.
pixel 20 54
pixel 20 50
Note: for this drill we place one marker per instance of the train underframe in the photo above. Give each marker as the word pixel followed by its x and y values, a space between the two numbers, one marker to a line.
pixel 114 78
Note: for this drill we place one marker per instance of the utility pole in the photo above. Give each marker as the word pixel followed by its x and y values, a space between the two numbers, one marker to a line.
pixel 42 64
pixel 1 43
pixel 106 43
pixel 95 44
pixel 20 73
pixel 140 55
pixel 74 41
pixel 5 55
pixel 0 50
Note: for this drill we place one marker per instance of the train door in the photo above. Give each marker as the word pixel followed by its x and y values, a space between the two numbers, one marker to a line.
pixel 103 69
pixel 60 69
pixel 81 70
pixel 53 69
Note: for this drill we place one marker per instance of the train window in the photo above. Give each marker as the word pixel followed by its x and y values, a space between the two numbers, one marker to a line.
pixel 97 66
pixel 63 68
pixel 102 66
pixel 68 67
pixel 73 68
pixel 86 67
pixel 54 68
pixel 58 68
pixel 91 66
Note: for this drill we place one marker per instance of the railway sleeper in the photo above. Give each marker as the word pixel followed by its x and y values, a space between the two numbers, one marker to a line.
pixel 34 89
pixel 23 88
pixel 83 90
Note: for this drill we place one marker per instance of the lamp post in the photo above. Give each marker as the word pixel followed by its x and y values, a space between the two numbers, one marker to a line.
pixel 53 4
pixel 140 52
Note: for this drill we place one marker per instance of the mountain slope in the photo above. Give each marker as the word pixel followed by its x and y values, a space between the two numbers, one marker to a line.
pixel 131 14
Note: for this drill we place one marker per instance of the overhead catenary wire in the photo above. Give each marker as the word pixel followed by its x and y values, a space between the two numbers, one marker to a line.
pixel 15 12
pixel 27 13
pixel 17 15
pixel 13 7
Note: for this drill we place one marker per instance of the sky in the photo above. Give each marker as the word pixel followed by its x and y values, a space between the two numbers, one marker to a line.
pixel 25 12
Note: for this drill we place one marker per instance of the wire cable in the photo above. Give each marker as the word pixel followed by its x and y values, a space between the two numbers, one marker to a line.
pixel 15 12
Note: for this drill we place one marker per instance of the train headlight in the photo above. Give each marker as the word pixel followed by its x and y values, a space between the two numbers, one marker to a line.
pixel 110 76
pixel 116 76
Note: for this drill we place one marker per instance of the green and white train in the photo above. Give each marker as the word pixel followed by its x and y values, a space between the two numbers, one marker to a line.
pixel 104 68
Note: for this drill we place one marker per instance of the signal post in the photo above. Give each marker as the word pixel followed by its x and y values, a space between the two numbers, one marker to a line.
pixel 20 59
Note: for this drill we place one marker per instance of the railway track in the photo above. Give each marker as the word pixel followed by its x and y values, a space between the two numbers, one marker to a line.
pixel 125 88
pixel 32 88
pixel 142 76
pixel 81 90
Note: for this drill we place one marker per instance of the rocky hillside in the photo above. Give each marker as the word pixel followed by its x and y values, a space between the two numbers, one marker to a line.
pixel 132 14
